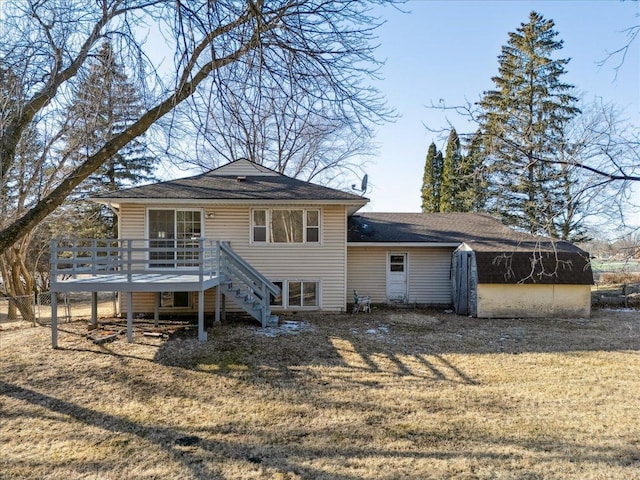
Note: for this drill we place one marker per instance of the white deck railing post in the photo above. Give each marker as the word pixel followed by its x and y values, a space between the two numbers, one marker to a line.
pixel 94 255
pixel 201 260
pixel 218 258
pixel 128 257
pixel 74 256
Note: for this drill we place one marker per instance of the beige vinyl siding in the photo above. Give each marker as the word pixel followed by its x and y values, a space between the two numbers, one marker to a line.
pixel 323 262
pixel 531 301
pixel 367 272
pixel 429 276
pixel 132 221
pixel 428 280
pixel 245 168
pixel 144 303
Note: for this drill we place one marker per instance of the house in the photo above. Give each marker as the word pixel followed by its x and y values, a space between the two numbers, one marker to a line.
pixel 269 243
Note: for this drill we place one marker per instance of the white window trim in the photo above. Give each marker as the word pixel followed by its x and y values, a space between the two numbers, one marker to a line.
pixel 175 220
pixel 285 295
pixel 268 226
pixel 175 224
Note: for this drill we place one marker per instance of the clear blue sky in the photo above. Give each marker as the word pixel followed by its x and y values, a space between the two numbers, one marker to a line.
pixel 448 50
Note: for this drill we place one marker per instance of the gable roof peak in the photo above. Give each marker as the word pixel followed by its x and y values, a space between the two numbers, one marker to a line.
pixel 242 167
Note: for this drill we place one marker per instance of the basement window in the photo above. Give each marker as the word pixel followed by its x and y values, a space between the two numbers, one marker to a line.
pixel 297 294
pixel 175 300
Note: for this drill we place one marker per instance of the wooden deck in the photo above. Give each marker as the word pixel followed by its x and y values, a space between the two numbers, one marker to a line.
pixel 156 265
pixel 134 265
pixel 138 282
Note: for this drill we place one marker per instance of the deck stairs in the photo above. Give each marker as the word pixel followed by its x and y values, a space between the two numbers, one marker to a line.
pixel 246 287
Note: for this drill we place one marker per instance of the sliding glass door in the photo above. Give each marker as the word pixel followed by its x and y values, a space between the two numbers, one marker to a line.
pixel 173 237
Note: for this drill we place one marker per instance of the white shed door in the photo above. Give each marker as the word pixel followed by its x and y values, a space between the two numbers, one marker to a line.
pixel 397 278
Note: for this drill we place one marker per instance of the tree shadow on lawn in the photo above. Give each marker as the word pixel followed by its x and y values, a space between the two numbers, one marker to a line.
pixel 401 343
pixel 240 348
pixel 199 452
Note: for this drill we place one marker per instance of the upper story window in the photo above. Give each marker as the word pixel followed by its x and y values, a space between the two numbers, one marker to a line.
pixel 286 226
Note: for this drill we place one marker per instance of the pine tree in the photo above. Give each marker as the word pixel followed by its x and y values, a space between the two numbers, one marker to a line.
pixel 451 175
pixel 106 103
pixel 473 184
pixel 521 125
pixel 432 180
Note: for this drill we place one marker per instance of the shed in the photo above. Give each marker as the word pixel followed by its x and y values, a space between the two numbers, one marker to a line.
pixel 528 278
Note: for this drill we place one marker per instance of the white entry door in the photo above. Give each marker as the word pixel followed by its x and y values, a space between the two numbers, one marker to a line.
pixel 397 278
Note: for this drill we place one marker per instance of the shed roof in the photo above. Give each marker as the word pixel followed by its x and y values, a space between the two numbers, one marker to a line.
pixel 540 266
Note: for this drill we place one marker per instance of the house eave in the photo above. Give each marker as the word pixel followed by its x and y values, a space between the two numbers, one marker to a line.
pixel 404 244
pixel 117 202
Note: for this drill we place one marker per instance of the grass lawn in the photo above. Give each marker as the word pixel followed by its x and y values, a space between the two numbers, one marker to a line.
pixel 389 395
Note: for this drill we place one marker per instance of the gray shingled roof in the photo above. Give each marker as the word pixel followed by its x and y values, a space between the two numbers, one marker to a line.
pixel 503 255
pixel 431 227
pixel 213 186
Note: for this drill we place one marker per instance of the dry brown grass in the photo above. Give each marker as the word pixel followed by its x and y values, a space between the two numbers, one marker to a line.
pixel 394 394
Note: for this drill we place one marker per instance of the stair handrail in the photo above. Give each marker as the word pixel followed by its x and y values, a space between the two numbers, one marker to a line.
pixel 227 250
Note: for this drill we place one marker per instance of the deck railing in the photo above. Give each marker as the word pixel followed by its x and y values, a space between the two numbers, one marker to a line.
pixel 101 257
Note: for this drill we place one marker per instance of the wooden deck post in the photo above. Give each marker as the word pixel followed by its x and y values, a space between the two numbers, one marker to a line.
pixel 94 309
pixel 202 335
pixel 218 295
pixel 156 310
pixel 130 317
pixel 54 320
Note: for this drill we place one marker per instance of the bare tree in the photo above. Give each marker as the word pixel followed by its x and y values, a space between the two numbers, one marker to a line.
pixel 602 154
pixel 285 126
pixel 322 46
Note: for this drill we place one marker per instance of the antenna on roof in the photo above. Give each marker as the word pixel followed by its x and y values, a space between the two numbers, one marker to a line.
pixel 363 184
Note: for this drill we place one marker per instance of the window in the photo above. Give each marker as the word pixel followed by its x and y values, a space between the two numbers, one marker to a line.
pixel 313 226
pixel 259 225
pixel 396 263
pixel 296 294
pixel 175 300
pixel 173 237
pixel 162 234
pixel 286 226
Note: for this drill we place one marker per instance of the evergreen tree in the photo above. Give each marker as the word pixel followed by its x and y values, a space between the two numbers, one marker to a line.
pixel 452 181
pixel 432 180
pixel 521 124
pixel 106 104
pixel 473 184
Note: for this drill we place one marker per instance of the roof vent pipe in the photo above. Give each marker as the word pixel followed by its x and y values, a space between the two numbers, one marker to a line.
pixel 241 178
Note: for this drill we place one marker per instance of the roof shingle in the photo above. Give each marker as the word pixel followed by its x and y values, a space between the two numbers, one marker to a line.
pixel 218 184
pixel 503 255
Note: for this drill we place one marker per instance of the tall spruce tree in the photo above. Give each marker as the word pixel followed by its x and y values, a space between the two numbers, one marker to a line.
pixel 472 180
pixel 432 180
pixel 521 125
pixel 106 104
pixel 451 175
